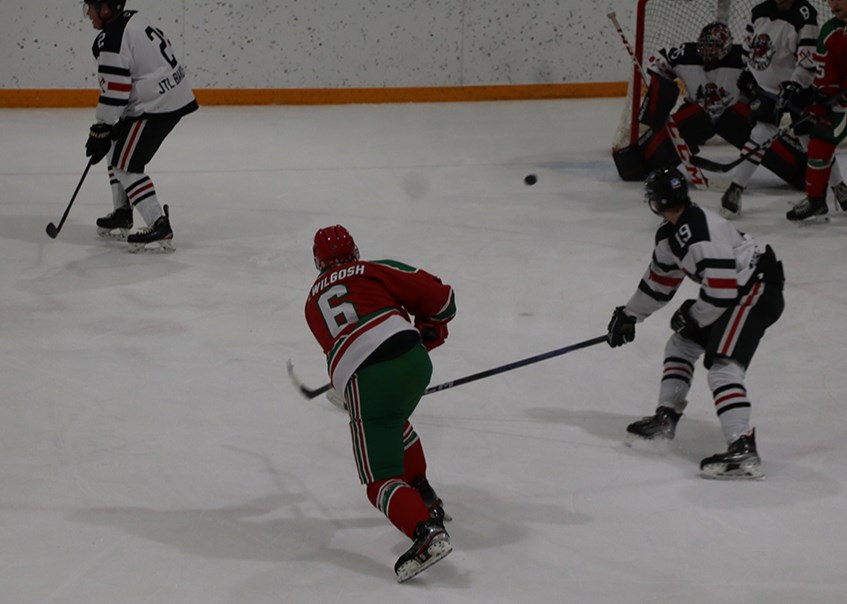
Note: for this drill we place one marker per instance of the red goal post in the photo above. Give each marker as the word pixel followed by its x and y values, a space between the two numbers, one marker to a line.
pixel 667 23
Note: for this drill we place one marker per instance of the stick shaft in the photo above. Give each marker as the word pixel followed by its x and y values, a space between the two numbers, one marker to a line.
pixel 310 393
pixel 55 230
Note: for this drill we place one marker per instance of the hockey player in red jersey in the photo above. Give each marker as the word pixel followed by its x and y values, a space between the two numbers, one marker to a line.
pixel 741 296
pixel 831 126
pixel 143 95
pixel 361 314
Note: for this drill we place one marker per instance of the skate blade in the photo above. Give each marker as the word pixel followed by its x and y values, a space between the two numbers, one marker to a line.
pixel 743 472
pixel 161 247
pixel 811 221
pixel 654 446
pixel 112 234
pixel 436 551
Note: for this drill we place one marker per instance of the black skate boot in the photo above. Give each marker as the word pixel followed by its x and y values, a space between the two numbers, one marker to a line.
pixel 431 544
pixel 808 208
pixel 431 499
pixel 116 224
pixel 731 201
pixel 160 233
pixel 661 426
pixel 840 193
pixel 740 461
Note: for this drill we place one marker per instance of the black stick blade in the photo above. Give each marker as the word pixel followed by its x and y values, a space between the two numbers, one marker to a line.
pixel 52 231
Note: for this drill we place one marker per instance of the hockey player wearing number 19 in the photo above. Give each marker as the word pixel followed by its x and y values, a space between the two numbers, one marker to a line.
pixel 741 296
pixel 143 95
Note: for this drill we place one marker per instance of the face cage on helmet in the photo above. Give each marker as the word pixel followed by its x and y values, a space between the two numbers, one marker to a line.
pixel 715 45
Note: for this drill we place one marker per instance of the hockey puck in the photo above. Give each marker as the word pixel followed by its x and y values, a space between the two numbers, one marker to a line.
pixel 530 179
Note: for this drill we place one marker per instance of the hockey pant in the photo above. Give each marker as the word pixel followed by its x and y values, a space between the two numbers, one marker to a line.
pixel 136 141
pixel 380 399
pixel 732 342
pixel 822 168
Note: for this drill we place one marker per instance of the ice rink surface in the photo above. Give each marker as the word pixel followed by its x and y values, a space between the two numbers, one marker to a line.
pixel 153 450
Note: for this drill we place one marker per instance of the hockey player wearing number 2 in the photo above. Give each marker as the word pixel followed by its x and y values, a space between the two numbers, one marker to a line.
pixel 143 95
pixel 741 296
pixel 359 312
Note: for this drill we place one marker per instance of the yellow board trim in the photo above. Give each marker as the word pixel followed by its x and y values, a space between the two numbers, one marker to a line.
pixel 51 97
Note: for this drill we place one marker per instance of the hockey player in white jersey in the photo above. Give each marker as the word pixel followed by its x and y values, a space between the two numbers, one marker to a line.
pixel 779 45
pixel 741 296
pixel 143 94
pixel 708 70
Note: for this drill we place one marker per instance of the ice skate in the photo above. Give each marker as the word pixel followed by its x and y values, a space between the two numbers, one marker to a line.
pixel 431 544
pixel 654 432
pixel 809 211
pixel 431 499
pixel 840 193
pixel 741 461
pixel 115 225
pixel 160 232
pixel 731 201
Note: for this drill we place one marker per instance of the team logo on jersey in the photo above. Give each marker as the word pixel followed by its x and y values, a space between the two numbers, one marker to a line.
pixel 761 52
pixel 713 98
pixel 103 85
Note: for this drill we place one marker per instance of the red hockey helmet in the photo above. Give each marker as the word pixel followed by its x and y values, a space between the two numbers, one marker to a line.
pixel 333 245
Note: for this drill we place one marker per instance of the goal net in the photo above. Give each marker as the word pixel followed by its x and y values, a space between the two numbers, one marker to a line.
pixel 668 23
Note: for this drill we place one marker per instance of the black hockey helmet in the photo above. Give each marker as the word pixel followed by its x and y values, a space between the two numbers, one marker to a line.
pixel 666 188
pixel 714 43
pixel 117 6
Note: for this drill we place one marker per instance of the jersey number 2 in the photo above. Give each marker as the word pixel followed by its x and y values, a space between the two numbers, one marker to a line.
pixel 336 312
pixel 153 33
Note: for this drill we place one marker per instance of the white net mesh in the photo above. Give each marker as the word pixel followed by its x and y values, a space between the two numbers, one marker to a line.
pixel 667 23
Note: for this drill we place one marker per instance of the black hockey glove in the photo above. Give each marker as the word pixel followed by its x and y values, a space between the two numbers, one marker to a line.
pixel 790 97
pixel 747 85
pixel 684 325
pixel 99 142
pixel 621 328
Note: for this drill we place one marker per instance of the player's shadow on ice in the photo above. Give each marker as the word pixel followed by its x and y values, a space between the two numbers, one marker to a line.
pixel 695 439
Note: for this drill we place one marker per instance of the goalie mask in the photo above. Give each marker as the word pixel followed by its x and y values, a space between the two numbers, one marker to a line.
pixel 714 43
pixel 333 245
pixel 666 189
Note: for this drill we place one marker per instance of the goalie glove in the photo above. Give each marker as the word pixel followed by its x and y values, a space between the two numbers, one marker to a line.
pixel 747 85
pixel 621 329
pixel 99 142
pixel 683 324
pixel 433 333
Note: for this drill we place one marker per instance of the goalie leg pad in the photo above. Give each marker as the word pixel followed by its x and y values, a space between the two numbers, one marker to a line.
pixel 630 163
pixel 734 125
pixel 786 159
pixel 695 125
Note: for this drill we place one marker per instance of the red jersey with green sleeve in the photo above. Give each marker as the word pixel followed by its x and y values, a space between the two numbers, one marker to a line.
pixel 831 59
pixel 353 308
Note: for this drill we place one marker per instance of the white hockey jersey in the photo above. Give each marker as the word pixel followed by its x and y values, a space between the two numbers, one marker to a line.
pixel 138 73
pixel 707 249
pixel 780 46
pixel 714 89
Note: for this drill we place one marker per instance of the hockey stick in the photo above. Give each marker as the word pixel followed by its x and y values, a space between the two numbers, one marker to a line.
pixel 310 394
pixel 713 166
pixel 698 179
pixel 52 229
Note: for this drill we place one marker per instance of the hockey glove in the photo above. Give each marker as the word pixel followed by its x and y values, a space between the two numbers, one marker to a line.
pixel 621 328
pixel 99 142
pixel 747 85
pixel 683 324
pixel 433 333
pixel 790 97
